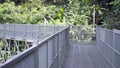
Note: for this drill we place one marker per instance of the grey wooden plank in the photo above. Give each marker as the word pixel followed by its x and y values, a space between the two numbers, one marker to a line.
pixel 82 55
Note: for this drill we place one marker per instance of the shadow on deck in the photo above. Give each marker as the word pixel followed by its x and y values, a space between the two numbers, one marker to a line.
pixel 85 55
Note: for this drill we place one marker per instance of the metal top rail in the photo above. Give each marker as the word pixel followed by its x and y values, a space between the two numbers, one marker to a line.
pixel 27 31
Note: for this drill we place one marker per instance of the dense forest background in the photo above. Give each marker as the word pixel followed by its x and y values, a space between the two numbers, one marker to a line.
pixel 63 12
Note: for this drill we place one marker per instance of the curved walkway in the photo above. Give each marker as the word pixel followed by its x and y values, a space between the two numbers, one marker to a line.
pixel 85 55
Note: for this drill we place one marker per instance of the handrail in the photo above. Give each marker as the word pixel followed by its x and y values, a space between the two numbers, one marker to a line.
pixel 108 44
pixel 20 57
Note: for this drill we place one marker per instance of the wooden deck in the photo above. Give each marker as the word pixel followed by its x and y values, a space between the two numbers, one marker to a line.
pixel 85 55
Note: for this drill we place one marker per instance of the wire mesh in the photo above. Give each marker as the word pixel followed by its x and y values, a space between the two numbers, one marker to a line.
pixel 16 38
pixel 108 43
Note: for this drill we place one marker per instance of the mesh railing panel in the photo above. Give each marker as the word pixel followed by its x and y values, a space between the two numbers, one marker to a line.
pixel 109 45
pixel 16 38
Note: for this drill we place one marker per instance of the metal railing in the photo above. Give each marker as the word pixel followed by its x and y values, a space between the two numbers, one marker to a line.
pixel 48 45
pixel 82 33
pixel 24 31
pixel 108 42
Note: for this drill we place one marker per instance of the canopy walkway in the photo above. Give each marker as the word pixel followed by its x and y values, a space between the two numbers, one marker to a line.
pixel 37 46
pixel 85 55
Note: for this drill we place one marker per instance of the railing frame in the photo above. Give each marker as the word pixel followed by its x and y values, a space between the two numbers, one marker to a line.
pixel 108 44
pixel 30 58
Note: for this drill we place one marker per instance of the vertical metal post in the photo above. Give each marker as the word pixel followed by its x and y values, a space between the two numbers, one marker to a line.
pixel 36 58
pixel 46 31
pixel 47 54
pixel 25 32
pixel 14 31
pixel 32 26
pixel 3 31
pixel 113 46
pixel 58 50
pixel 68 34
pixel 53 48
pixel 54 29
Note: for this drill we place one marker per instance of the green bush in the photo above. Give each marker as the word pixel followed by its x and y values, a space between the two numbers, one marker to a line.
pixel 108 11
pixel 112 18
pixel 34 12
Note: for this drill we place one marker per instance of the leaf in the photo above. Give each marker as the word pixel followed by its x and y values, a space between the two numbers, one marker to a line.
pixel 62 10
pixel 1 43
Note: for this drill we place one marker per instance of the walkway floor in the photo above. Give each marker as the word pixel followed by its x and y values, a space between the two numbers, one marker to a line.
pixel 85 55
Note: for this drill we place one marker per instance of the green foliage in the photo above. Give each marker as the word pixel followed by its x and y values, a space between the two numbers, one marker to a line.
pixel 112 18
pixel 34 12
pixel 116 2
pixel 108 11
pixel 22 46
pixel 1 43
